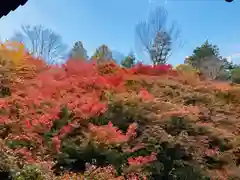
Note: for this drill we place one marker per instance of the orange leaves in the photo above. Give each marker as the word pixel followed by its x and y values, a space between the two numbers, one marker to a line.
pixel 66 129
pixel 25 153
pixel 211 152
pixel 140 160
pixel 3 103
pixel 34 110
pixel 56 143
pixel 221 86
pixel 114 81
pixel 109 134
pixel 36 101
pixel 145 95
pixel 184 111
pixel 86 106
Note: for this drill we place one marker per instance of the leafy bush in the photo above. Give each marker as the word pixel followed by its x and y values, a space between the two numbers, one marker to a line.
pixel 96 121
pixel 189 74
pixel 186 68
pixel 160 69
pixel 235 74
pixel 28 173
pixel 224 76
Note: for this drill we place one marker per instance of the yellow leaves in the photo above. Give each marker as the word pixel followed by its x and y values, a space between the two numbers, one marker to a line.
pixel 12 53
pixel 12 61
pixel 186 68
pixel 188 74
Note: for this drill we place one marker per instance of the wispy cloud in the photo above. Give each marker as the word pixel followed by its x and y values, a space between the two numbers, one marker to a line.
pixel 234 56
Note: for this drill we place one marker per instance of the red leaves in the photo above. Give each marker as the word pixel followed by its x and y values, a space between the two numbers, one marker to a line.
pixel 25 153
pixel 3 119
pixel 161 69
pixel 211 152
pixel 3 103
pixel 65 130
pixel 41 123
pixel 37 100
pixel 109 134
pixel 142 160
pixel 35 104
pixel 145 95
pixel 56 143
pixel 28 124
pixel 32 116
pixel 114 81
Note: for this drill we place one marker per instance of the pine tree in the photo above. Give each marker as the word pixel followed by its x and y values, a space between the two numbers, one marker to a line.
pixel 78 51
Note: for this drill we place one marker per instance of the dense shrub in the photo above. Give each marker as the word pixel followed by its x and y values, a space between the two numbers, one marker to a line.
pixel 186 68
pixel 101 121
pixel 161 69
pixel 235 74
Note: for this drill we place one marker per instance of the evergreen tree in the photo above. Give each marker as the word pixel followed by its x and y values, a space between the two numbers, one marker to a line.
pixel 78 51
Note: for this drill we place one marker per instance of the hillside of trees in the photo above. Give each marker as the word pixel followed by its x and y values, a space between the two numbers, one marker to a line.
pixel 70 115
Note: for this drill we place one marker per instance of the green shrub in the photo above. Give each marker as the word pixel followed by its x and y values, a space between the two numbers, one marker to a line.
pixel 223 76
pixel 236 75
pixel 186 68
pixel 30 172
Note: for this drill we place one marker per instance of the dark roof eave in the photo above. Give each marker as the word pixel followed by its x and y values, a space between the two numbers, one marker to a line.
pixel 10 6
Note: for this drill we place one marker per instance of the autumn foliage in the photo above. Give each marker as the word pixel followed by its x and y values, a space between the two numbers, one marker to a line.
pixel 100 121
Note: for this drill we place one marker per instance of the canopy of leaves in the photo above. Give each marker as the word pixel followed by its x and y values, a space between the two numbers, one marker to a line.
pixel 235 74
pixel 129 61
pixel 103 53
pixel 208 60
pixel 204 51
pixel 102 121
pixel 78 51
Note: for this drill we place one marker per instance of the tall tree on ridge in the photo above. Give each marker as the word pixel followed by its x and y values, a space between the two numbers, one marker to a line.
pixel 155 39
pixel 103 53
pixel 207 59
pixel 78 51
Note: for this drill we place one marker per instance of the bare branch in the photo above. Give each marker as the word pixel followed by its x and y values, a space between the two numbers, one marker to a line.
pixel 155 38
pixel 42 42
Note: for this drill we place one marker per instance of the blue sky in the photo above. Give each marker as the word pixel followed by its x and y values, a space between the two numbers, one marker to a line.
pixel 112 22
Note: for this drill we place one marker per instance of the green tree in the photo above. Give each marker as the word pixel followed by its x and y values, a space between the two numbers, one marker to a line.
pixel 200 53
pixel 235 75
pixel 207 58
pixel 206 50
pixel 78 51
pixel 129 61
pixel 228 66
pixel 103 53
